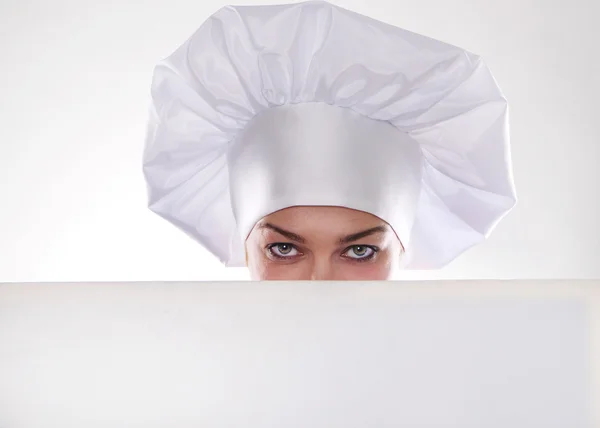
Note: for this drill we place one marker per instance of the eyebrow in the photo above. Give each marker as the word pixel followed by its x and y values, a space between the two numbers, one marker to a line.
pixel 344 240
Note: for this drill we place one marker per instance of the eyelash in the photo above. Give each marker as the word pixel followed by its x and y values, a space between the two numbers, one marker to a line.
pixel 358 260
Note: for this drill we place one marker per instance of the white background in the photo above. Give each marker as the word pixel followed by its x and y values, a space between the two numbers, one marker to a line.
pixel 74 83
pixel 440 354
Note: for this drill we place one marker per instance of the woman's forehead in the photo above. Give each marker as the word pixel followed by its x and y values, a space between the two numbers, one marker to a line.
pixel 322 222
pixel 303 214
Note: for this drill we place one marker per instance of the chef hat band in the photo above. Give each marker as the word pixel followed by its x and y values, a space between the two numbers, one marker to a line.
pixel 315 154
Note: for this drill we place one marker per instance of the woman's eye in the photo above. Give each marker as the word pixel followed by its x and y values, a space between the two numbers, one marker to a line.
pixel 282 250
pixel 358 253
pixel 361 252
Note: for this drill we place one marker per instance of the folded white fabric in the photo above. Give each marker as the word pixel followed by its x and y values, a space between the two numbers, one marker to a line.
pixel 267 107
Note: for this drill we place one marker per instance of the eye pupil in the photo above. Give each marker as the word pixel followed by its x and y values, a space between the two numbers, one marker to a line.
pixel 357 250
pixel 283 247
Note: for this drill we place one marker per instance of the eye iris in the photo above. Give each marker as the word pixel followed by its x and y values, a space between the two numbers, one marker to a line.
pixel 282 250
pixel 358 252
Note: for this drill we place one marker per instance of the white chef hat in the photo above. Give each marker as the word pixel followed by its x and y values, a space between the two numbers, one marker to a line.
pixel 268 107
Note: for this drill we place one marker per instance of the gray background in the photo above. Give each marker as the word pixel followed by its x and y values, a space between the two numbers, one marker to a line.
pixel 75 78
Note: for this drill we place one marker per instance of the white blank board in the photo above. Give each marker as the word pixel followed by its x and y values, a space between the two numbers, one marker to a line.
pixel 461 354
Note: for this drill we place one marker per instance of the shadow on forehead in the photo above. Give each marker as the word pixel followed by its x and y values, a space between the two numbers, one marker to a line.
pixel 333 211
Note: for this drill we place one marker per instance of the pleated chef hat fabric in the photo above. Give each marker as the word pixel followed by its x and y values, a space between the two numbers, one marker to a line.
pixel 267 107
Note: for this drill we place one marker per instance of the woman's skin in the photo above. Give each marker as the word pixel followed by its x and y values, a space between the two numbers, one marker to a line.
pixel 308 239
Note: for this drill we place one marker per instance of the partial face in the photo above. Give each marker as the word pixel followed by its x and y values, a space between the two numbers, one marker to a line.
pixel 322 243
